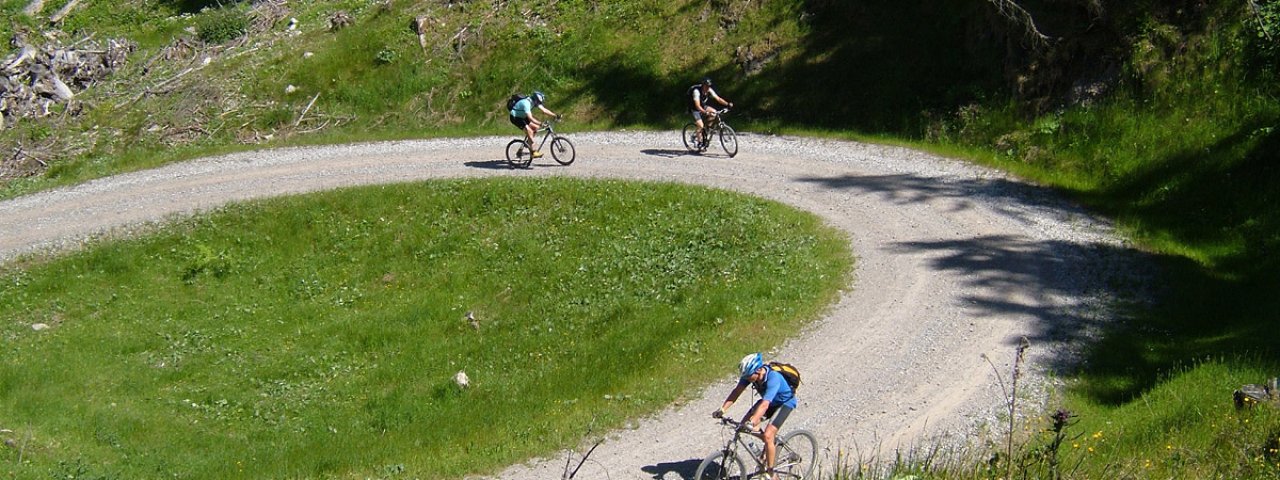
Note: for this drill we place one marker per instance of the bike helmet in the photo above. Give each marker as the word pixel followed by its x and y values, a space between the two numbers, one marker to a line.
pixel 706 81
pixel 750 364
pixel 539 98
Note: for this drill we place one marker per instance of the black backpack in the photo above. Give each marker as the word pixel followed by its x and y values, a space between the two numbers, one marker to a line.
pixel 688 97
pixel 789 372
pixel 511 102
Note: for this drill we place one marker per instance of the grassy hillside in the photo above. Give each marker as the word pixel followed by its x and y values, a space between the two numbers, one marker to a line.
pixel 1161 114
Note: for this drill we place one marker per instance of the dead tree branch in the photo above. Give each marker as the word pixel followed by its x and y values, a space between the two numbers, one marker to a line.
pixel 305 110
pixel 1011 11
pixel 1257 16
pixel 33 8
pixel 62 12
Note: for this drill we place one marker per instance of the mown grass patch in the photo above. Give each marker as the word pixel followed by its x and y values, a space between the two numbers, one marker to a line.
pixel 318 336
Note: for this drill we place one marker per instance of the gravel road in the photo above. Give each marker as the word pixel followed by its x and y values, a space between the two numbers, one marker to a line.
pixel 954 262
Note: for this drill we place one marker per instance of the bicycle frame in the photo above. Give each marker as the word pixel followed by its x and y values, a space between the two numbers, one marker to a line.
pixel 784 457
pixel 548 128
pixel 713 125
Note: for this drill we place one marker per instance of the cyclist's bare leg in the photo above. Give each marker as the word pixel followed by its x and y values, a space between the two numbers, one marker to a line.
pixel 529 131
pixel 698 121
pixel 770 449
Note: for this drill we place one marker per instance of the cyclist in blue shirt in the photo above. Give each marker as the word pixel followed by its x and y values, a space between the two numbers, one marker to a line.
pixel 522 117
pixel 777 400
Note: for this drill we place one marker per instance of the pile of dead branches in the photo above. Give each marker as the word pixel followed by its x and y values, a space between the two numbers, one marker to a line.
pixel 37 77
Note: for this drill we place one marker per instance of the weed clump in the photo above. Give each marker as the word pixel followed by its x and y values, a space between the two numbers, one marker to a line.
pixel 222 25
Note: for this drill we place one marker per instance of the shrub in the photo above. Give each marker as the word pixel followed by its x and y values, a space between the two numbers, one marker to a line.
pixel 222 25
pixel 1264 35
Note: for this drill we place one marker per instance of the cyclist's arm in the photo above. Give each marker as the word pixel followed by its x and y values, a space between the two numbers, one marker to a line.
pixel 721 100
pixel 548 112
pixel 733 396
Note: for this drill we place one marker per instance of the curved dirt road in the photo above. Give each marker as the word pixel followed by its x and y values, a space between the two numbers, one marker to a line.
pixel 954 262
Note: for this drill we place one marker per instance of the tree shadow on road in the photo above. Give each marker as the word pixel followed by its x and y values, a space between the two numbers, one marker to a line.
pixel 1071 291
pixel 1009 198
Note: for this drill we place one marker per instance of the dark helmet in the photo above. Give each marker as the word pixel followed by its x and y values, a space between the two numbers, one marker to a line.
pixel 539 98
pixel 706 81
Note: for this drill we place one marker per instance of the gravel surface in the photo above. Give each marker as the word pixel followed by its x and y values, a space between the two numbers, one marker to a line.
pixel 955 263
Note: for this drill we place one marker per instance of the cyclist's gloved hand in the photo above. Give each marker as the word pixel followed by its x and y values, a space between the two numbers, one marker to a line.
pixel 559 116
pixel 717 414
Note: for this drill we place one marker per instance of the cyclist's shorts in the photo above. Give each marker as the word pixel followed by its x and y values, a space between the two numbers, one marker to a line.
pixel 697 115
pixel 778 412
pixel 518 122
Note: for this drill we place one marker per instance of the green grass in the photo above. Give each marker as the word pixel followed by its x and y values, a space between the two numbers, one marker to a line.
pixel 317 336
pixel 1184 428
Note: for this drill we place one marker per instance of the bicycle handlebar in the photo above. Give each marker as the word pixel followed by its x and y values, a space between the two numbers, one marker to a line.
pixel 740 426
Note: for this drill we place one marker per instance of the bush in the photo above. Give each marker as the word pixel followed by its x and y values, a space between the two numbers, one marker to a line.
pixel 1264 35
pixel 222 25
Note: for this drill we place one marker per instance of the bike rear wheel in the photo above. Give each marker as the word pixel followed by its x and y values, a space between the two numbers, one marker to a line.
pixel 690 135
pixel 519 155
pixel 721 466
pixel 729 140
pixel 796 455
pixel 562 150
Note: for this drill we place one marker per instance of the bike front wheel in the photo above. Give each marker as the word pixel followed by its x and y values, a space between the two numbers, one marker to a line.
pixel 690 136
pixel 562 150
pixel 721 466
pixel 796 455
pixel 519 155
pixel 729 140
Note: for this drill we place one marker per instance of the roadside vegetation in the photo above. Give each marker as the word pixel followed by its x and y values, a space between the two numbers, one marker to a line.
pixel 1159 114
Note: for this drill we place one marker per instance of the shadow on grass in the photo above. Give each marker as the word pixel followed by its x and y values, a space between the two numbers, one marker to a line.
pixel 1224 199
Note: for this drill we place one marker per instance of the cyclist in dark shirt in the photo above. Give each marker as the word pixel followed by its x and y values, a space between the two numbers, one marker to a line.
pixel 698 98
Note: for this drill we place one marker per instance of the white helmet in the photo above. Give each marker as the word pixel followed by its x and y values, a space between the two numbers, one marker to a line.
pixel 750 364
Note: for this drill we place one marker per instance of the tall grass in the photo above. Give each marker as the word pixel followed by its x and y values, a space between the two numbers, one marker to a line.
pixel 318 336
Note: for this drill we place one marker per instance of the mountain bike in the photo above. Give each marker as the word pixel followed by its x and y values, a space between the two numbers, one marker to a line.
pixel 715 125
pixel 520 152
pixel 794 458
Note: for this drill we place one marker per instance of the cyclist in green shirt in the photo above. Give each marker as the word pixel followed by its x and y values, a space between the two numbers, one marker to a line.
pixel 522 117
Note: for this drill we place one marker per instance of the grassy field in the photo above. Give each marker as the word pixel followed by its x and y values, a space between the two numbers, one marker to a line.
pixel 319 336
